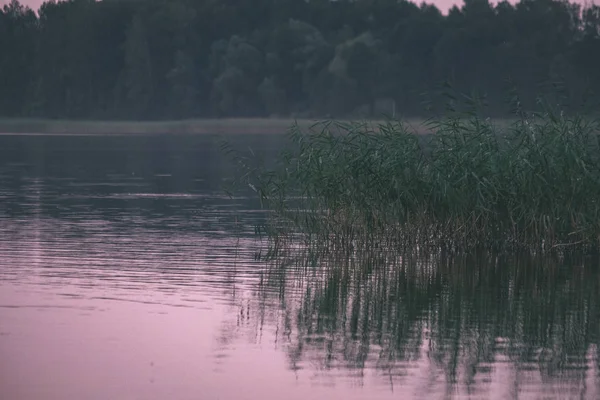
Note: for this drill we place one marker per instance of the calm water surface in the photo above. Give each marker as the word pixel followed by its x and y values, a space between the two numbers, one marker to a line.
pixel 126 273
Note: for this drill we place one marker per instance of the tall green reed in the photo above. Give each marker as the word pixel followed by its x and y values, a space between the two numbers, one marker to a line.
pixel 533 182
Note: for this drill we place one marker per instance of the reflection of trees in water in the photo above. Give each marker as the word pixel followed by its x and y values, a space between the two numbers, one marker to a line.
pixel 459 318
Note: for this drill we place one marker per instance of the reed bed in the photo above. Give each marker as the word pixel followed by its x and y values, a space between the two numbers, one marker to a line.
pixel 534 183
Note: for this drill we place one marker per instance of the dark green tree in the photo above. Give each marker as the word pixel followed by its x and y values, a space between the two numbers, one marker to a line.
pixel 138 72
pixel 18 31
pixel 206 58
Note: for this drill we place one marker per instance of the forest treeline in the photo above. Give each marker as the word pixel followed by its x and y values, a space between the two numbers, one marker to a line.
pixel 159 59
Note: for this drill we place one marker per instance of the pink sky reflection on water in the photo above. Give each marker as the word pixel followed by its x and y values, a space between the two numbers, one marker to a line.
pixel 102 349
pixel 108 349
pixel 110 309
pixel 57 347
pixel 103 315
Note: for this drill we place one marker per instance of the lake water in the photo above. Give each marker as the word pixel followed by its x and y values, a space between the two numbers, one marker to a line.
pixel 127 273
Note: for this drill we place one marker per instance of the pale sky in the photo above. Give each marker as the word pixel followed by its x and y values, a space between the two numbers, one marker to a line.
pixel 443 5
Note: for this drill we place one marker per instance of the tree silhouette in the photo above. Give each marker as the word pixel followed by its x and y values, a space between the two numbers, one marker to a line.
pixel 183 58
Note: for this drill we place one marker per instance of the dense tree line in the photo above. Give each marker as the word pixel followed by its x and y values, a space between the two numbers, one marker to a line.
pixel 220 58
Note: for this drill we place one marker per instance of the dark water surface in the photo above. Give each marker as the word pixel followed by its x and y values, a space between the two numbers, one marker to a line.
pixel 126 273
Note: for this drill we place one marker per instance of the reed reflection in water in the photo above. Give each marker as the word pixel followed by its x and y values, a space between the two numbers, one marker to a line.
pixel 126 273
pixel 437 326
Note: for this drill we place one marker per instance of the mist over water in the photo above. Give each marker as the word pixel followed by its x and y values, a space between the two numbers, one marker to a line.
pixel 127 273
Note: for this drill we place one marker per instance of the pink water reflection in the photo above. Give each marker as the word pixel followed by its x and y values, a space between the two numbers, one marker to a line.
pixel 56 348
pixel 123 306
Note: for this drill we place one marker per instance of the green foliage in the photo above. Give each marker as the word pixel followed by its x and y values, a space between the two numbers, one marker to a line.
pixel 534 182
pixel 184 86
pixel 237 66
pixel 158 59
pixel 17 46
pixel 273 97
pixel 138 70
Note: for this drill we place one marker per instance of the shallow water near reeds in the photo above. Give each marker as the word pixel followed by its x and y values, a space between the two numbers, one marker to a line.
pixel 127 273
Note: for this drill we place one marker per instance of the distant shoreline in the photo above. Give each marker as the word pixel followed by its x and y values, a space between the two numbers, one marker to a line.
pixel 232 126
pixel 192 126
